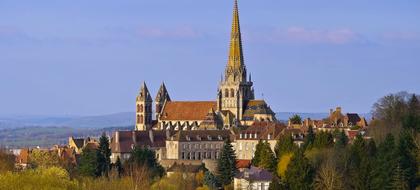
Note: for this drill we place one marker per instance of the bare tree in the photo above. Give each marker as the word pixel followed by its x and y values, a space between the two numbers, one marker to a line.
pixel 329 177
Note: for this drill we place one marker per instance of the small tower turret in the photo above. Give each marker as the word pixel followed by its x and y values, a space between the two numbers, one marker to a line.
pixel 161 97
pixel 143 109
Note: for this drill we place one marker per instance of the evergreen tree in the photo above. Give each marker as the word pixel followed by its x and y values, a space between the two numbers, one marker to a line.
pixel 284 145
pixel 104 153
pixel 226 165
pixel 257 154
pixel 210 180
pixel 267 160
pixel 145 157
pixel 384 163
pixel 299 173
pixel 406 158
pixel 399 179
pixel 342 140
pixel 88 163
pixel 411 121
pixel 118 166
pixel 309 139
pixel 323 140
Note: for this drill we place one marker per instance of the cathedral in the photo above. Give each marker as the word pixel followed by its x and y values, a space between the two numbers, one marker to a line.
pixel 235 103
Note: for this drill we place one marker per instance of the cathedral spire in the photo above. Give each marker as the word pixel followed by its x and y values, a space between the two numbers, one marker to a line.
pixel 235 66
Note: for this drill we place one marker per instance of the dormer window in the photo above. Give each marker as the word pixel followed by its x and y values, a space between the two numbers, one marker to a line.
pixel 198 137
pixel 219 137
pixel 240 136
pixel 269 136
pixel 188 138
pixel 209 137
pixel 246 135
pixel 255 135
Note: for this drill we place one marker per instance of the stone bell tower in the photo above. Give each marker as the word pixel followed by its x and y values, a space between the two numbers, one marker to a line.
pixel 143 109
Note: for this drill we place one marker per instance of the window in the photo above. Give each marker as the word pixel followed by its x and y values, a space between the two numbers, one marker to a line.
pixel 269 136
pixel 183 155
pixel 246 135
pixel 226 93
pixel 217 155
pixel 232 93
pixel 255 135
pixel 240 136
pixel 219 137
pixel 141 118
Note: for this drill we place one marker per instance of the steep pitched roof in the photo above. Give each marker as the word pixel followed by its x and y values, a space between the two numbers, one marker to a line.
pixel 262 129
pixel 162 93
pixel 144 94
pixel 253 107
pixel 142 139
pixel 187 110
pixel 353 118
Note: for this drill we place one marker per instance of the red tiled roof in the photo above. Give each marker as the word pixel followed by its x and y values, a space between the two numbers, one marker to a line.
pixel 243 163
pixel 185 110
pixel 126 140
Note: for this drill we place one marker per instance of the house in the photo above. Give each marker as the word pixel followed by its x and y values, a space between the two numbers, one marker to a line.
pixel 252 179
pixel 247 139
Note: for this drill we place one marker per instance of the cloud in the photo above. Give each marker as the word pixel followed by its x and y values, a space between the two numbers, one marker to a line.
pixel 309 36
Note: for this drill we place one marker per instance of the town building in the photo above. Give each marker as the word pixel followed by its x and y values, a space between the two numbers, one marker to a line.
pixel 247 139
pixel 252 179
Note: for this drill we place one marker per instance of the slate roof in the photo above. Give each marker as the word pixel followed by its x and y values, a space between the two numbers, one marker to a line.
pixel 253 107
pixel 255 174
pixel 126 140
pixel 353 118
pixel 201 135
pixel 187 110
pixel 262 129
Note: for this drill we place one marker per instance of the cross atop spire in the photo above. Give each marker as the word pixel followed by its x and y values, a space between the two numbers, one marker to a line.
pixel 236 65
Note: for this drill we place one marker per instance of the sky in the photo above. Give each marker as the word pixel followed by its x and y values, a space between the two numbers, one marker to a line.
pixel 90 57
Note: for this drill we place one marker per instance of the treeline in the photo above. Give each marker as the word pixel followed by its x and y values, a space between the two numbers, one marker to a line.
pixel 326 160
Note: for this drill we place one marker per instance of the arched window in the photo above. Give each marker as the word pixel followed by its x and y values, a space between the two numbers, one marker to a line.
pixel 138 119
pixel 140 107
pixel 141 118
pixel 232 93
pixel 226 93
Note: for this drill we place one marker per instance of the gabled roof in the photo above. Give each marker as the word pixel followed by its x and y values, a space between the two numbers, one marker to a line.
pixel 201 135
pixel 262 129
pixel 353 118
pixel 255 174
pixel 187 110
pixel 126 140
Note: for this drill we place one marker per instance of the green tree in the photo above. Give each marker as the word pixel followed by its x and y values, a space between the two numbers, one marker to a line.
pixel 384 163
pixel 284 145
pixel 88 163
pixel 210 180
pixel 342 140
pixel 104 153
pixel 323 140
pixel 257 154
pixel 299 173
pixel 226 165
pixel 399 179
pixel 266 158
pixel 407 158
pixel 309 138
pixel 144 157
pixel 43 158
pixel 295 119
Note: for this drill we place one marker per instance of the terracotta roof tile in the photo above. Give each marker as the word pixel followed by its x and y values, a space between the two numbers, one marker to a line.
pixel 186 110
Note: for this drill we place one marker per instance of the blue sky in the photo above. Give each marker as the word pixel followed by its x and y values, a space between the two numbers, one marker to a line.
pixel 89 57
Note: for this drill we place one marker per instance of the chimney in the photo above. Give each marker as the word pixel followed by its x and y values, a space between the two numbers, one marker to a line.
pixel 134 136
pixel 151 135
pixel 117 136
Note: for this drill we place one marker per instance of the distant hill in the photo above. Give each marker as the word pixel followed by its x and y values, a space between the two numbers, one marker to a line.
pixel 100 121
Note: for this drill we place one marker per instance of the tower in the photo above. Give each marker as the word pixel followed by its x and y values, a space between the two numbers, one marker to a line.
pixel 143 109
pixel 161 97
pixel 234 88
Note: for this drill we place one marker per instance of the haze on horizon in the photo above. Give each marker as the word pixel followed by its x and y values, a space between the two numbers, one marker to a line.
pixel 90 57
